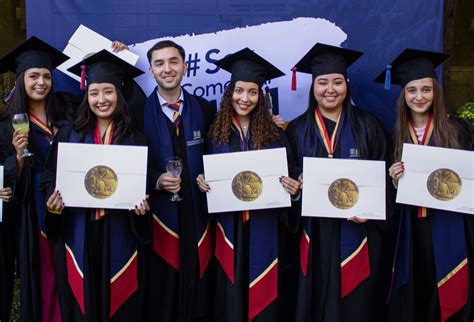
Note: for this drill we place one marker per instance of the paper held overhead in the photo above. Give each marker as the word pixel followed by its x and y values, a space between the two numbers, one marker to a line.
pixel 85 41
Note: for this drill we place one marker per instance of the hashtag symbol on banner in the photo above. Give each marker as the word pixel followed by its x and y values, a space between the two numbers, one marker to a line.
pixel 193 64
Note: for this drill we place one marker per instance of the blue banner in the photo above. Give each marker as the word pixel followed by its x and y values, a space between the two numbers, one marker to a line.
pixel 380 28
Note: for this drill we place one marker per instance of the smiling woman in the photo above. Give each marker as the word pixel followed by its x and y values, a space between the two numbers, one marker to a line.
pixel 341 260
pixel 102 99
pixel 33 62
pixel 330 91
pixel 248 287
pixel 104 244
pixel 37 83
pixel 433 283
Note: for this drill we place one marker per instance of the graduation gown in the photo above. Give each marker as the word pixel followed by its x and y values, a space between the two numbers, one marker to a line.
pixel 178 274
pixel 100 263
pixel 38 297
pixel 415 295
pixel 248 275
pixel 322 293
pixel 8 227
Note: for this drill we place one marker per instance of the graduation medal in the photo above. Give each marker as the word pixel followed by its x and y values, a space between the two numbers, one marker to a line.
pixel 444 184
pixel 343 193
pixel 101 182
pixel 247 186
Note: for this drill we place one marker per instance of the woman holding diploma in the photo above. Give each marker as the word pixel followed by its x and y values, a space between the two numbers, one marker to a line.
pixel 35 113
pixel 341 260
pixel 247 243
pixel 433 265
pixel 98 252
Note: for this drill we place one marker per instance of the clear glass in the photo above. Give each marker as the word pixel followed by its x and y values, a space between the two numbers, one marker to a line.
pixel 21 121
pixel 174 165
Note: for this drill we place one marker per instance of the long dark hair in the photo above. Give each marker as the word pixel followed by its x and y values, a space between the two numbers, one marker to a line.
pixel 263 130
pixel 19 102
pixel 349 109
pixel 86 119
pixel 445 132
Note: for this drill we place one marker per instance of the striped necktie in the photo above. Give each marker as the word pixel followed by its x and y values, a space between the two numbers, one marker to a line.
pixel 176 116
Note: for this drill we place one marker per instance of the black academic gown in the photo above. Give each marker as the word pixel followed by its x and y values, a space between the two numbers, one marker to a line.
pixel 26 222
pixel 319 292
pixel 8 228
pixel 232 300
pixel 96 272
pixel 33 248
pixel 418 299
pixel 171 291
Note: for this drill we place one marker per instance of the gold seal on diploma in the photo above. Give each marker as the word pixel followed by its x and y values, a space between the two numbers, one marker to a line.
pixel 247 186
pixel 343 193
pixel 101 182
pixel 444 184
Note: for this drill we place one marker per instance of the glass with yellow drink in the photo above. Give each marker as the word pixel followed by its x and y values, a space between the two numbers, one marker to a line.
pixel 21 121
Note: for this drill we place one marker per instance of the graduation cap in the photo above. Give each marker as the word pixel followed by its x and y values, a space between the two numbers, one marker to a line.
pixel 325 59
pixel 411 64
pixel 33 53
pixel 104 67
pixel 247 66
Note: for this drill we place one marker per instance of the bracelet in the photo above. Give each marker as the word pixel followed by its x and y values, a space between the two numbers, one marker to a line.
pixel 54 211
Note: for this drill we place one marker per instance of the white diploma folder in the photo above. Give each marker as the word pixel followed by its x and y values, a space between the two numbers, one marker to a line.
pixel 343 188
pixel 85 41
pixel 101 176
pixel 437 178
pixel 246 180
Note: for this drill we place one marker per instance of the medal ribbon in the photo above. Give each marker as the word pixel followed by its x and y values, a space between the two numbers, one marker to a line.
pixel 46 128
pixel 422 211
pixel 109 134
pixel 244 146
pixel 329 143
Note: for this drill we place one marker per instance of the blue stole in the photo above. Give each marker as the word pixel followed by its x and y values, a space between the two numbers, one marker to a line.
pixel 165 212
pixel 263 249
pixel 122 248
pixel 353 237
pixel 450 253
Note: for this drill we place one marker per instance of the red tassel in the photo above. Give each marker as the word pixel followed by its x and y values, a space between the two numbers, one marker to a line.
pixel 83 77
pixel 293 79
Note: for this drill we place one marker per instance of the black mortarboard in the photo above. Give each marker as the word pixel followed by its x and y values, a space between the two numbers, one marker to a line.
pixel 247 66
pixel 411 64
pixel 325 59
pixel 33 53
pixel 105 67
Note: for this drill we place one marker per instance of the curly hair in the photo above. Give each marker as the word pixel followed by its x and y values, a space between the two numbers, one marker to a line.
pixel 263 130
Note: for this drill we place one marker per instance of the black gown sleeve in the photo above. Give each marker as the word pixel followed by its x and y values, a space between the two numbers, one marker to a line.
pixel 376 145
pixel 291 134
pixel 53 222
pixel 466 132
pixel 67 105
pixel 290 216
pixel 19 184
pixel 208 111
pixel 141 225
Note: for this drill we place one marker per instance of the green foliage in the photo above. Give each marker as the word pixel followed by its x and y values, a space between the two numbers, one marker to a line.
pixel 15 312
pixel 7 82
pixel 466 111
